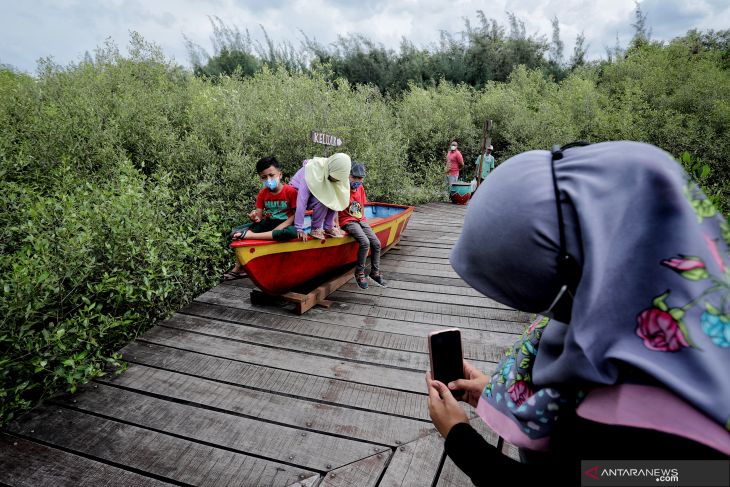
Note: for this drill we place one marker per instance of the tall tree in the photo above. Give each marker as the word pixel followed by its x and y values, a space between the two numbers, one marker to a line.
pixel 556 44
pixel 579 51
pixel 641 34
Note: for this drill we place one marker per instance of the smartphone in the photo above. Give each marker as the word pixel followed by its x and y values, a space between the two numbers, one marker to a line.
pixel 447 358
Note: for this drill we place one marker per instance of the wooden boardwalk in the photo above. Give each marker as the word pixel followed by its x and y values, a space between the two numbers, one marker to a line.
pixel 224 393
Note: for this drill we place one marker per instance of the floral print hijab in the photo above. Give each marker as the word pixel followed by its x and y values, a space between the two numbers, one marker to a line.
pixel 648 339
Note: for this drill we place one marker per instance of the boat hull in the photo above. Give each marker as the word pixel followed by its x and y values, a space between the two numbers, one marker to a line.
pixel 279 267
pixel 460 193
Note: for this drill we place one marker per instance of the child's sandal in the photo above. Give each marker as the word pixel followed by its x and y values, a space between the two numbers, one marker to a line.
pixel 334 233
pixel 377 278
pixel 361 280
pixel 318 234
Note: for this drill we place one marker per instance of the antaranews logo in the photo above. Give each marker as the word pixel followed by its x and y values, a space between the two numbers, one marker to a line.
pixel 629 473
pixel 592 473
pixel 639 473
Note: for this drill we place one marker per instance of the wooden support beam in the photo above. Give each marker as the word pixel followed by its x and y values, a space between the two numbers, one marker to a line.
pixel 303 302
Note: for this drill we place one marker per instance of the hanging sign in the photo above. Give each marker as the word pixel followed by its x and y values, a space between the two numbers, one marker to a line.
pixel 326 139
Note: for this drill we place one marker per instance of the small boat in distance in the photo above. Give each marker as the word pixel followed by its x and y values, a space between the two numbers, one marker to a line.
pixel 279 267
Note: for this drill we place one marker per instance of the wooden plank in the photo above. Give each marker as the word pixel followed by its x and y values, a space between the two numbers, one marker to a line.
pixel 511 451
pixel 417 278
pixel 454 312
pixel 424 239
pixel 441 288
pixel 363 473
pixel 383 332
pixel 308 482
pixel 415 463
pixel 423 232
pixel 418 251
pixel 350 351
pixel 291 411
pixel 452 219
pixel 25 463
pixel 477 345
pixel 307 362
pixel 427 227
pixel 443 248
pixel 294 383
pixel 444 268
pixel 446 216
pixel 436 270
pixel 310 450
pixel 149 451
pixel 427 317
pixel 415 258
pixel 431 296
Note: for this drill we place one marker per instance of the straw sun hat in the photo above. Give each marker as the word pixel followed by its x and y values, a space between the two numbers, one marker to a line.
pixel 333 195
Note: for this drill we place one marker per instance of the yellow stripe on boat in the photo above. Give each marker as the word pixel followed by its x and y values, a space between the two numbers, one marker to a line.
pixel 248 253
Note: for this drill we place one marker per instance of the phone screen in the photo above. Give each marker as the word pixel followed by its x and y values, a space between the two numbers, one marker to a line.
pixel 446 357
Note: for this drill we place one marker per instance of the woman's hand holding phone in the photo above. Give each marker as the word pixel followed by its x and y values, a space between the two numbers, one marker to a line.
pixel 443 408
pixel 473 385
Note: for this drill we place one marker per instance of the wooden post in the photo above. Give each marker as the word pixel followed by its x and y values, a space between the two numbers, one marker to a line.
pixel 486 141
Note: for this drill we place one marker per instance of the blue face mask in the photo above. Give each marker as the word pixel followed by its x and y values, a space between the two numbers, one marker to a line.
pixel 271 183
pixel 355 184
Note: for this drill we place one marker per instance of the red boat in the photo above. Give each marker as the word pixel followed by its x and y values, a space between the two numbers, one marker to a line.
pixel 279 267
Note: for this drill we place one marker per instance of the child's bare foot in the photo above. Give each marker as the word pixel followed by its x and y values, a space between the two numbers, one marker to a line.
pixel 317 233
pixel 334 232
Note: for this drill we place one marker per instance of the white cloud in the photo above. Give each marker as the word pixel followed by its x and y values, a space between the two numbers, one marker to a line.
pixel 65 29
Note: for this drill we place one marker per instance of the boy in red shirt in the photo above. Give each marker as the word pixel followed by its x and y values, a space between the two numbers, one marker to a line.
pixel 273 217
pixel 352 220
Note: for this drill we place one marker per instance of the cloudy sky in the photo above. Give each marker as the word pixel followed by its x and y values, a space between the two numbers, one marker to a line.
pixel 65 29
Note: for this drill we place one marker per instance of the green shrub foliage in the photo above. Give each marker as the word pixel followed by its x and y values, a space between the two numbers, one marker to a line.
pixel 122 175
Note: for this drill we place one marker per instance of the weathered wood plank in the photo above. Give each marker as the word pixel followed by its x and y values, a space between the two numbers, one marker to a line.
pixel 434 288
pixel 430 210
pixel 415 258
pixel 363 473
pixel 308 482
pixel 451 282
pixel 436 270
pixel 363 325
pixel 213 326
pixel 511 451
pixel 420 238
pixel 416 252
pixel 453 311
pixel 159 454
pixel 278 381
pixel 427 227
pixel 443 268
pixel 430 295
pixel 422 316
pixel 484 346
pixel 399 379
pixel 25 463
pixel 298 413
pixel 415 463
pixel 310 450
pixel 444 248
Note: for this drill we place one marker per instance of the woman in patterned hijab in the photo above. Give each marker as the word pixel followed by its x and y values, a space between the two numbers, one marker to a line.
pixel 634 362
